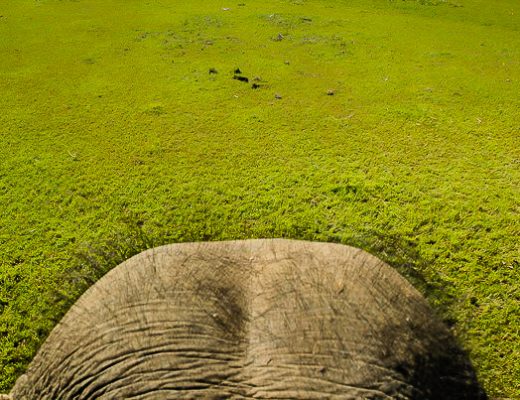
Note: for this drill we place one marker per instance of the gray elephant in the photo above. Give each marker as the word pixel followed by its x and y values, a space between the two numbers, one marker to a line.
pixel 257 319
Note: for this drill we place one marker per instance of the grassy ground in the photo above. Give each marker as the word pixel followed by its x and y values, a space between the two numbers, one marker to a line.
pixel 115 137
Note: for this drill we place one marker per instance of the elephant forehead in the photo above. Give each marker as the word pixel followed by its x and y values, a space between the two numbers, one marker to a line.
pixel 241 280
pixel 233 267
pixel 237 320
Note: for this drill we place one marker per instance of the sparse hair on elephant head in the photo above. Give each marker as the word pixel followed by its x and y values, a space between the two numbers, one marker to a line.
pixel 262 319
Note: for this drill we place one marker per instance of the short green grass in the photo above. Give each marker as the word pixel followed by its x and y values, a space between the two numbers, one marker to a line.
pixel 115 137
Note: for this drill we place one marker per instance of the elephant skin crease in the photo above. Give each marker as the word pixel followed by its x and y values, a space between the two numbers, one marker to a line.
pixel 255 319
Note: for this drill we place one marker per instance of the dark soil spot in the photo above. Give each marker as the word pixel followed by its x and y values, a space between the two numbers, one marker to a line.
pixel 278 38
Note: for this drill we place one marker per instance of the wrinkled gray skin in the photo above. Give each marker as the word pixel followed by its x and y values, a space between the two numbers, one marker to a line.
pixel 258 319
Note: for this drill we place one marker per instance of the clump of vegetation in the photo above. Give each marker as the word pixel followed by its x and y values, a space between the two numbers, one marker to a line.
pixel 387 125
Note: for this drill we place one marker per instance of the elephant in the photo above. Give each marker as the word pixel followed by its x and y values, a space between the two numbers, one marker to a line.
pixel 250 319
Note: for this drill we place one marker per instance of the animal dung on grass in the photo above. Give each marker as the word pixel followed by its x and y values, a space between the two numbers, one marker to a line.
pixel 241 78
pixel 229 319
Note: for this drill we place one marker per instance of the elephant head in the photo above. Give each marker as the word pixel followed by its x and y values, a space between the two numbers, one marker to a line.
pixel 257 319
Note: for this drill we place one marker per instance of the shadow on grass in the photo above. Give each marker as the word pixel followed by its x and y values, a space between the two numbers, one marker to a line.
pixel 404 256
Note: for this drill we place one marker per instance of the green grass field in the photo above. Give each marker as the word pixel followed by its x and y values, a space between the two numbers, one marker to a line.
pixel 114 137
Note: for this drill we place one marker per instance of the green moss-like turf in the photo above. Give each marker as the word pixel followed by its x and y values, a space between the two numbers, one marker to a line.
pixel 115 137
